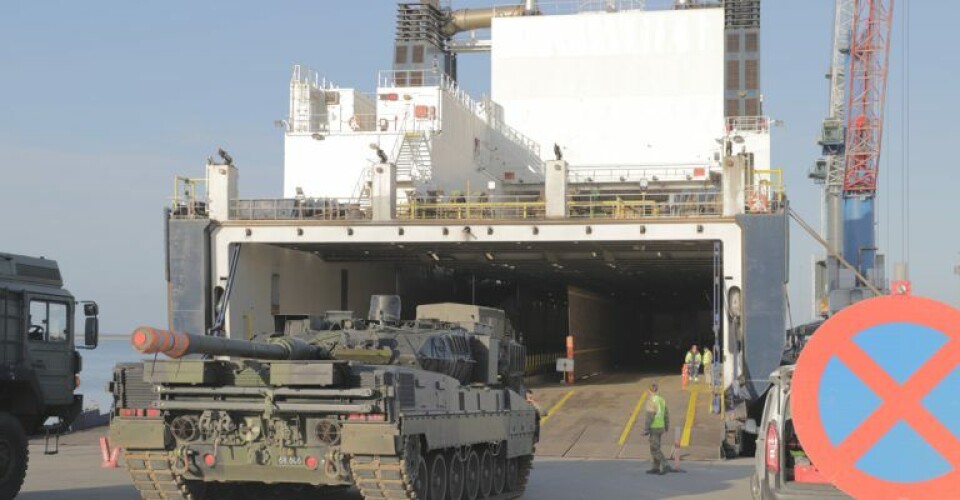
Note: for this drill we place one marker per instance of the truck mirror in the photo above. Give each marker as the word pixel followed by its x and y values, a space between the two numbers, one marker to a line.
pixel 91 309
pixel 91 332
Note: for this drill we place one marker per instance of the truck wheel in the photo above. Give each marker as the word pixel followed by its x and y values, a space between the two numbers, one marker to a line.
pixel 13 456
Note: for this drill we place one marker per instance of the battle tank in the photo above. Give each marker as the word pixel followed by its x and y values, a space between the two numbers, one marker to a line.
pixel 432 408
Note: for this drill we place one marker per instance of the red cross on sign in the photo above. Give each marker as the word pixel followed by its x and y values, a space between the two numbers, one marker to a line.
pixel 874 399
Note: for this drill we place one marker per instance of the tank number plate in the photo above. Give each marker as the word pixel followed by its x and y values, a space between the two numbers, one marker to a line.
pixel 284 460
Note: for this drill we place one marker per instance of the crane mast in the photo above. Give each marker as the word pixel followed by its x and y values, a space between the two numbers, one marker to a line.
pixel 869 63
pixel 851 139
pixel 833 136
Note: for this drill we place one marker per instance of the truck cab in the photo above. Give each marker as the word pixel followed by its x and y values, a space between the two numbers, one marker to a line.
pixel 39 362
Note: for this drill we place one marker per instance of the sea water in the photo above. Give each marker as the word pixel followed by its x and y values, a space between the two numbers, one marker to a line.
pixel 98 369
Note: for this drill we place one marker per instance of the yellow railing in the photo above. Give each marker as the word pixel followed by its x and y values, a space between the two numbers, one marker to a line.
pixel 615 209
pixel 767 193
pixel 473 210
pixel 189 197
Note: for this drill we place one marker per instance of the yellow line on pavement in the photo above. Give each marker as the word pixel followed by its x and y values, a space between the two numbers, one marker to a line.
pixel 554 408
pixel 633 419
pixel 688 422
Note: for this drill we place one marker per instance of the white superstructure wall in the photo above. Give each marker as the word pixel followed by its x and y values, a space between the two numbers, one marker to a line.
pixel 626 88
pixel 273 280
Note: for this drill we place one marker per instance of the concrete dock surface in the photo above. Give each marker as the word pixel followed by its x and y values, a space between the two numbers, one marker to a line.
pixel 75 473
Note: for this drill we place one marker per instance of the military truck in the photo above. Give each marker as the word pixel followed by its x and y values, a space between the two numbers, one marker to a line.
pixel 430 408
pixel 39 363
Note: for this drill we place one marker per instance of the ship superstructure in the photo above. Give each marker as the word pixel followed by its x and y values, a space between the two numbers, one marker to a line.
pixel 616 188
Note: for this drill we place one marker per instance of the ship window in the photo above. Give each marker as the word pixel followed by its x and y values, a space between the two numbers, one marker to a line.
pixel 733 107
pixel 417 54
pixel 733 43
pixel 416 78
pixel 48 321
pixel 401 55
pixel 752 75
pixel 752 107
pixel 752 42
pixel 733 75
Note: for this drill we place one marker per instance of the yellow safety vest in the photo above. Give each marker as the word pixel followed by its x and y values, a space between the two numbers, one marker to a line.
pixel 658 417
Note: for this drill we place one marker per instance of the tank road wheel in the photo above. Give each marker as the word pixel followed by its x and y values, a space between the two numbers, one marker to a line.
pixel 438 476
pixel 455 476
pixel 513 474
pixel 13 455
pixel 418 481
pixel 499 471
pixel 486 473
pixel 472 475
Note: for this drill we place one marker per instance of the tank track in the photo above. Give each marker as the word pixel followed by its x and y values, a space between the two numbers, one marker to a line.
pixel 380 477
pixel 154 478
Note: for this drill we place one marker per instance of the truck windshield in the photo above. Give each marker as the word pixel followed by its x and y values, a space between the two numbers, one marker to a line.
pixel 48 321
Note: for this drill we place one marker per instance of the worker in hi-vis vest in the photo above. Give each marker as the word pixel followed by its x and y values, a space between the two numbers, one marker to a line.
pixel 693 360
pixel 656 424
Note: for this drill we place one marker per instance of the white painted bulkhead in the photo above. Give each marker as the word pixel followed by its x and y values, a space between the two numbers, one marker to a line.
pixel 615 89
pixel 272 280
pixel 438 136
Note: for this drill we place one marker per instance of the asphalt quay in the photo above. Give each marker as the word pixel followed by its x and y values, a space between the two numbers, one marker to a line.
pixel 75 474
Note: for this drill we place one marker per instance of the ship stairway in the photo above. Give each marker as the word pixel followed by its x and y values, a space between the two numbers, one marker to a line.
pixel 413 159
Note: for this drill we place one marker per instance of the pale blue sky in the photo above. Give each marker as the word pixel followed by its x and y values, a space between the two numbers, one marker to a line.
pixel 103 102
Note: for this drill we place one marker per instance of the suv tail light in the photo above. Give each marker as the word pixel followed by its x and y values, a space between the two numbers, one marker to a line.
pixel 772 451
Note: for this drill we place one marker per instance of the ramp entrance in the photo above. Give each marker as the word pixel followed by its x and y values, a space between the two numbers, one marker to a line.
pixel 629 306
pixel 632 308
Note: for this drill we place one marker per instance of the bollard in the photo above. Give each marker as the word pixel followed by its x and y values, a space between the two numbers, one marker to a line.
pixel 570 375
pixel 684 378
pixel 109 457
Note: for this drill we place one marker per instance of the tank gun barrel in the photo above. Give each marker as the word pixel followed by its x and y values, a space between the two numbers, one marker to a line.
pixel 149 340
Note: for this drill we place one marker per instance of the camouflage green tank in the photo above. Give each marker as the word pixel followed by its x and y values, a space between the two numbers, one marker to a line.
pixel 428 409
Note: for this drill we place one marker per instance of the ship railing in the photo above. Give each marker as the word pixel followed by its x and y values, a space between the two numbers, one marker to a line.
pixel 767 195
pixel 435 78
pixel 561 7
pixel 748 124
pixel 303 74
pixel 580 174
pixel 480 110
pixel 633 205
pixel 472 207
pixel 316 209
pixel 189 198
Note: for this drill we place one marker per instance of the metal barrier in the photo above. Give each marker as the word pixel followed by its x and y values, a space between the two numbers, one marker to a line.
pixel 748 123
pixel 541 363
pixel 767 194
pixel 189 198
pixel 641 206
pixel 475 207
pixel 298 209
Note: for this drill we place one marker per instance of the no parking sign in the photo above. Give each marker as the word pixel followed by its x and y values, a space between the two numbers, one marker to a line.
pixel 876 399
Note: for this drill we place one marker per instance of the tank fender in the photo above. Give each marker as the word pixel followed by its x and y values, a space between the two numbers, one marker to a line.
pixel 140 433
pixel 369 439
